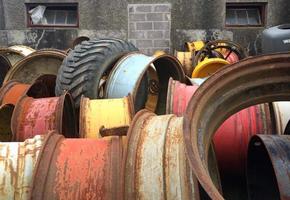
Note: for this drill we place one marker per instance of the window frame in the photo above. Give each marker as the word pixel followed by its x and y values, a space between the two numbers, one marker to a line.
pixel 29 6
pixel 261 6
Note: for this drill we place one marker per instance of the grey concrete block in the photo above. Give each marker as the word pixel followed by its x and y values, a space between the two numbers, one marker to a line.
pixel 162 8
pixel 166 34
pixel 132 26
pixel 144 43
pixel 167 16
pixel 143 8
pixel 161 25
pixel 144 26
pixel 155 17
pixel 155 34
pixel 137 17
pixel 161 43
pixel 131 8
pixel 167 50
pixel 136 35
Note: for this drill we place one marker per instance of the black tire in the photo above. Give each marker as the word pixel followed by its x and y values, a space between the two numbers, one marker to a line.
pixel 83 68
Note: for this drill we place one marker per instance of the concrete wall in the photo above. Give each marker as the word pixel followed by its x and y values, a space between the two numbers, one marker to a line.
pixel 183 20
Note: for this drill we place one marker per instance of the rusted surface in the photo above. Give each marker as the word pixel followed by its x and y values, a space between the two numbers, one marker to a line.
pixel 6 112
pixel 232 137
pixel 251 81
pixel 115 131
pixel 5 66
pixel 153 89
pixel 38 116
pixel 178 96
pixel 186 59
pixel 11 92
pixel 24 50
pixel 78 169
pixel 155 165
pixel 35 65
pixel 17 162
pixel 107 113
pixel 16 53
pixel 126 78
pixel 268 168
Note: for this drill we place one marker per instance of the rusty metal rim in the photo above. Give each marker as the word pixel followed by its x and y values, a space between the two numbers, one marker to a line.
pixel 48 50
pixel 66 109
pixel 81 115
pixel 15 47
pixel 6 87
pixel 142 113
pixel 10 84
pixel 175 63
pixel 41 168
pixel 8 50
pixel 21 63
pixel 61 110
pixel 82 112
pixel 47 152
pixel 268 143
pixel 235 87
pixel 169 99
pixel 132 139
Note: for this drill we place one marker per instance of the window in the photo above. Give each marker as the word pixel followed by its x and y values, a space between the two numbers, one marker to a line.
pixel 52 15
pixel 241 15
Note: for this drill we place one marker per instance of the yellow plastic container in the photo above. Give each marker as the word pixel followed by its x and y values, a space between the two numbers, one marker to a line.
pixel 104 113
pixel 208 66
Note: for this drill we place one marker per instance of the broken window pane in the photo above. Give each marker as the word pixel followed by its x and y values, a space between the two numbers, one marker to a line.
pixel 53 15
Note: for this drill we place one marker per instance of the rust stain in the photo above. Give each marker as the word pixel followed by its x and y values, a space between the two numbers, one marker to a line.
pixel 17 162
pixel 155 161
pixel 37 116
pixel 79 169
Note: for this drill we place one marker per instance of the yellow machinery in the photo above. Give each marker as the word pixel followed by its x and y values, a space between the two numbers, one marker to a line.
pixel 208 66
pixel 194 46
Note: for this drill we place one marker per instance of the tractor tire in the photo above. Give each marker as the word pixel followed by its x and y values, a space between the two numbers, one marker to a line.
pixel 83 68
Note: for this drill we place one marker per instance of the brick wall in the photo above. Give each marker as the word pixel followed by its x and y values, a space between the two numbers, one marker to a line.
pixel 149 26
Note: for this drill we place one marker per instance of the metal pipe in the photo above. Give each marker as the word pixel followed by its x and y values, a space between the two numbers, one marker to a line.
pixel 251 81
